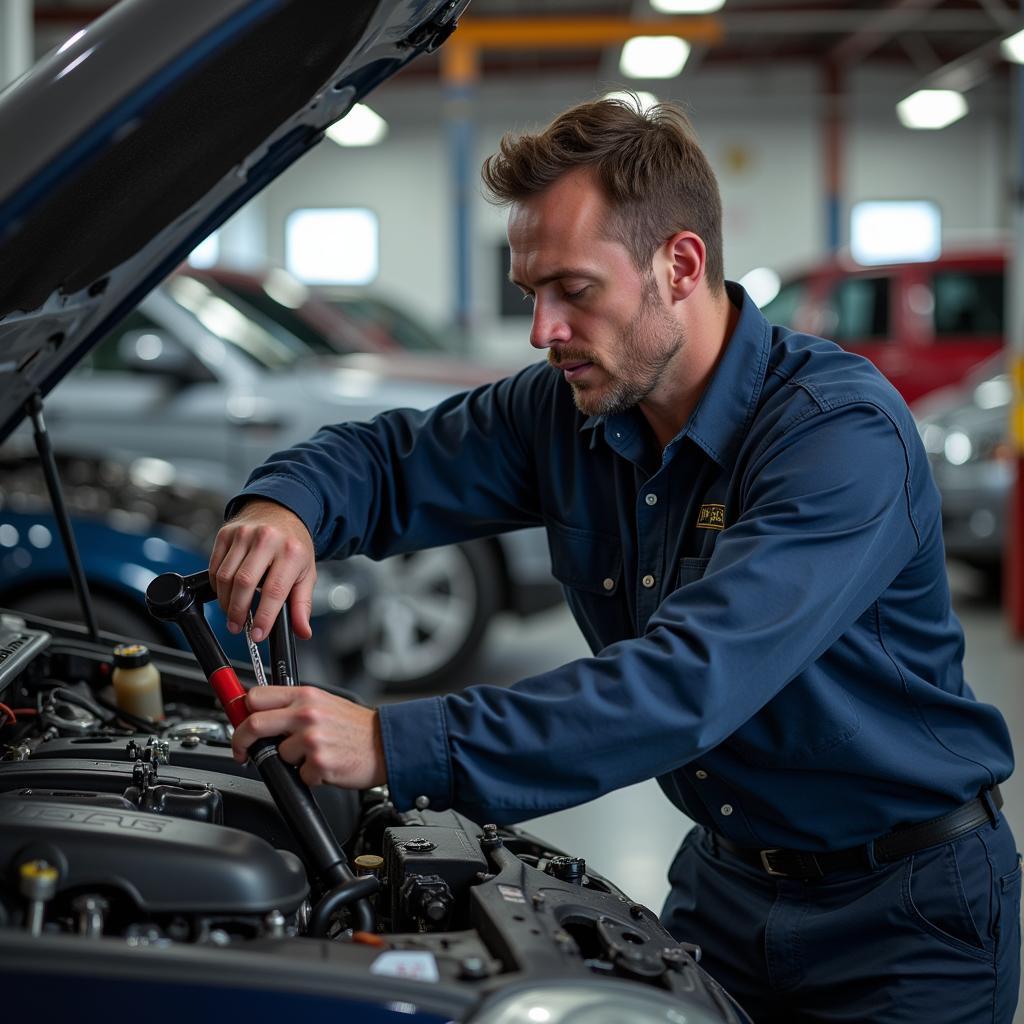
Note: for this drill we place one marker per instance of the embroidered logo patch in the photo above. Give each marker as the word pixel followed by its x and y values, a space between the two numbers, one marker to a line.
pixel 711 517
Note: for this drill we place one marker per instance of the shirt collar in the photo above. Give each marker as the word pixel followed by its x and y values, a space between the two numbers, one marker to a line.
pixel 723 414
pixel 725 410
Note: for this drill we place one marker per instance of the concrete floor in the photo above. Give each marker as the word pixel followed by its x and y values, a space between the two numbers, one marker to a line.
pixel 631 835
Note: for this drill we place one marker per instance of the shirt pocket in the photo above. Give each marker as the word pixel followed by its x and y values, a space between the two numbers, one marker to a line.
pixel 585 560
pixel 691 570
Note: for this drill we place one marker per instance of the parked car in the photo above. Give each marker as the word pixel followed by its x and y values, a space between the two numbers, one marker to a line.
pixel 381 316
pixel 965 430
pixel 141 868
pixel 924 325
pixel 196 377
pixel 283 298
pixel 132 521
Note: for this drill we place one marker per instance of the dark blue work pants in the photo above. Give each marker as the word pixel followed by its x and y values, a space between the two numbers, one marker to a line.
pixel 932 938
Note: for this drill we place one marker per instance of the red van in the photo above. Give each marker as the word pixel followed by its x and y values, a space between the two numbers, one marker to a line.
pixel 924 325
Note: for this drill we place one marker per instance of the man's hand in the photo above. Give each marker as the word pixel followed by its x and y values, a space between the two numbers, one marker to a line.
pixel 264 540
pixel 331 739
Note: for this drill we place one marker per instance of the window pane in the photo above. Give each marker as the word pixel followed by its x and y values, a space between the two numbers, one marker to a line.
pixel 783 308
pixel 332 246
pixel 968 303
pixel 106 356
pixel 859 309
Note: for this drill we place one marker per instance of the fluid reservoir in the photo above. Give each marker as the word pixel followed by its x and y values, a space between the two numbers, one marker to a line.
pixel 137 682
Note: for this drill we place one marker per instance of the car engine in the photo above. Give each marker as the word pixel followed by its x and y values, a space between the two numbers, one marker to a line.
pixel 120 831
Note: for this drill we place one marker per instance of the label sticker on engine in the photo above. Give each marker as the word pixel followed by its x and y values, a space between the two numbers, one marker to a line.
pixel 512 893
pixel 406 963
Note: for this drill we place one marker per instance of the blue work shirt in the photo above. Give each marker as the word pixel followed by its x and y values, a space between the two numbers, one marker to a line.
pixel 766 599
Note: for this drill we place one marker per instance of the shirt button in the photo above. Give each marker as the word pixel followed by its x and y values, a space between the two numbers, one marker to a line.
pixel 651 499
pixel 421 803
pixel 648 581
pixel 609 584
pixel 726 809
pixel 701 774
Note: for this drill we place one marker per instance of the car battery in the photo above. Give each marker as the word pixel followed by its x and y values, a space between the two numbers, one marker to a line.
pixel 428 870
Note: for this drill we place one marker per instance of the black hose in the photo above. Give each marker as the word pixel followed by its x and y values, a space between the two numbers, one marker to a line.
pixel 355 890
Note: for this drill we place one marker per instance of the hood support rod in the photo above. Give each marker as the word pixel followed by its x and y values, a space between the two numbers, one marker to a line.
pixel 44 446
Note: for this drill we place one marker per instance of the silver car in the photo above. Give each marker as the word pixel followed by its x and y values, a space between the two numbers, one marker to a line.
pixel 966 433
pixel 195 377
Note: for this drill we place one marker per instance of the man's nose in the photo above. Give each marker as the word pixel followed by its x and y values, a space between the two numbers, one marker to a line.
pixel 548 328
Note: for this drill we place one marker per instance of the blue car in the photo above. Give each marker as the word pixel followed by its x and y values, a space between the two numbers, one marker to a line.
pixel 133 521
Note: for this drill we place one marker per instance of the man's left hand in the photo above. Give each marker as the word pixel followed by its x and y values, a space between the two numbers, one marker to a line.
pixel 331 739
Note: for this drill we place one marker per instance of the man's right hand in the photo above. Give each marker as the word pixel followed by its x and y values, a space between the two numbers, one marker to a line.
pixel 264 541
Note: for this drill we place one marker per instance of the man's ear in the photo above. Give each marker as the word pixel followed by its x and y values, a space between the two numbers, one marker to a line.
pixel 687 258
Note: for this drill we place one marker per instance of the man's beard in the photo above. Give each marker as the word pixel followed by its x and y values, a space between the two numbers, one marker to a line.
pixel 648 344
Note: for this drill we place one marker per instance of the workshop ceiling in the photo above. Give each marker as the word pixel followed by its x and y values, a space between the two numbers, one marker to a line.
pixel 947 43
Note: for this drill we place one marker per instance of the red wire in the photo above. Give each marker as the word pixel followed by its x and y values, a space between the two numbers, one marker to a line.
pixel 9 713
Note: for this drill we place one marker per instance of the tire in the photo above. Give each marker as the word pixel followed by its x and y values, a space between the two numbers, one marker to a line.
pixel 430 614
pixel 112 616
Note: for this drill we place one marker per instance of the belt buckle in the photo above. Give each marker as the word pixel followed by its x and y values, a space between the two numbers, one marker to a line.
pixel 765 855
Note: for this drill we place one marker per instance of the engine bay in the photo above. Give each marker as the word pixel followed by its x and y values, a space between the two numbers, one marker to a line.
pixel 124 834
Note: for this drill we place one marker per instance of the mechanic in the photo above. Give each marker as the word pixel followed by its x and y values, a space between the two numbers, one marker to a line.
pixel 749 537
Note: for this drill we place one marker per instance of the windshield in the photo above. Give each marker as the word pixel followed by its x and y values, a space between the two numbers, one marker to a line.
pixel 377 315
pixel 258 338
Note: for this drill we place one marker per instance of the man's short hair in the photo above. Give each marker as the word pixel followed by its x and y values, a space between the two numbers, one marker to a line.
pixel 654 175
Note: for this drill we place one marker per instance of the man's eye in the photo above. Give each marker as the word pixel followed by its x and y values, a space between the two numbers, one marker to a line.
pixel 576 294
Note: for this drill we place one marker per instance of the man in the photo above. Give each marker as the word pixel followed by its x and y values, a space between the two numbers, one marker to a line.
pixel 749 538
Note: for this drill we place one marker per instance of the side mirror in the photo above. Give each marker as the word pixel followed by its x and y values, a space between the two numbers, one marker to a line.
pixel 150 350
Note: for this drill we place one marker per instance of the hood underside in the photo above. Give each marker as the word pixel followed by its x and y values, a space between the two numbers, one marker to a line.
pixel 158 122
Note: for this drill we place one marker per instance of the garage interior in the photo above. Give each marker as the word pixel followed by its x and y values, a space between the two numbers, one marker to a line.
pixel 795 102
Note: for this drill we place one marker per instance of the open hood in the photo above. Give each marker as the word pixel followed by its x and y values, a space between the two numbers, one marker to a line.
pixel 143 133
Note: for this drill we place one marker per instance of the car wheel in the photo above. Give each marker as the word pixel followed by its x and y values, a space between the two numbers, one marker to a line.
pixel 429 614
pixel 112 615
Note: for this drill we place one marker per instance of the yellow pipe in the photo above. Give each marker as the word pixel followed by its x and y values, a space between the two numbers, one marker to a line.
pixel 578 33
pixel 1017 409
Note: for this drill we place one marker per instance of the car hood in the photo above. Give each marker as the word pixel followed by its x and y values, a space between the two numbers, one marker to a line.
pixel 160 121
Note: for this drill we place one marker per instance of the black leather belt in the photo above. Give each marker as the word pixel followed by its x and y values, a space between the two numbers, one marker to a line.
pixel 894 845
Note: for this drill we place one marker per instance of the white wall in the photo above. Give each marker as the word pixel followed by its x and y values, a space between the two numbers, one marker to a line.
pixel 761 131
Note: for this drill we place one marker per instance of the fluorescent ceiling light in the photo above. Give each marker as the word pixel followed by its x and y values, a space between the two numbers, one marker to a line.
pixel 653 56
pixel 1013 47
pixel 687 6
pixel 931 108
pixel 631 97
pixel 361 126
pixel 895 231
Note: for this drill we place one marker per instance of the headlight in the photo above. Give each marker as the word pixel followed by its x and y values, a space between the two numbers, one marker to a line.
pixel 607 1002
pixel 957 448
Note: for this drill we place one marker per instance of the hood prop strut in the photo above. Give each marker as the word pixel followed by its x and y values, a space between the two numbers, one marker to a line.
pixel 34 408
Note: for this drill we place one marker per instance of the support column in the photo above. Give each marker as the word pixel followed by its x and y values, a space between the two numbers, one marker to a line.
pixel 16 39
pixel 1014 551
pixel 834 128
pixel 460 72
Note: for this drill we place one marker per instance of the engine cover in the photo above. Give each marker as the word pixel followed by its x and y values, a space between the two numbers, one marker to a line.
pixel 164 864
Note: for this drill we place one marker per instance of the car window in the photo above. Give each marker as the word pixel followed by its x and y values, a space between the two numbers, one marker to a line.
pixel 407 332
pixel 968 303
pixel 783 308
pixel 857 309
pixel 106 357
pixel 260 341
pixel 288 318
